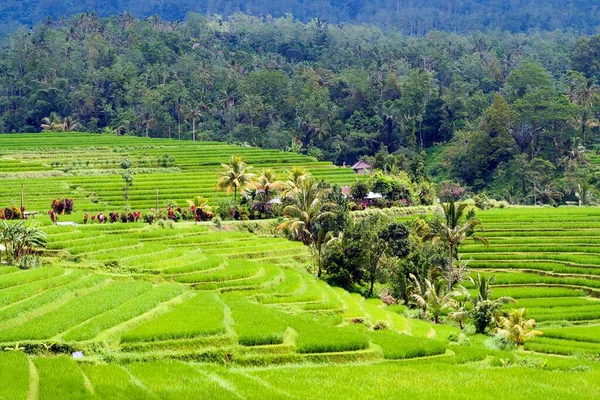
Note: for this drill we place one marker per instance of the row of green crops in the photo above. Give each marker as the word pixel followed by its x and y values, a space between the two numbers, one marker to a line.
pixel 398 346
pixel 86 168
pixel 255 324
pixel 201 315
pixel 445 377
pixel 75 312
pixel 547 259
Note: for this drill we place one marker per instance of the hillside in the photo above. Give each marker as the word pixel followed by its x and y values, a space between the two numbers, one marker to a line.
pixel 489 105
pixel 412 17
pixel 145 304
pixel 86 167
pixel 233 309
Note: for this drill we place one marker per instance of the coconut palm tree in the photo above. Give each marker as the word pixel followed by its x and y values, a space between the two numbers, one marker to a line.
pixel 52 123
pixel 235 178
pixel 585 194
pixel 293 179
pixel 433 297
pixel 454 232
pixel 307 209
pixel 267 183
pixel 194 112
pixel 199 207
pixel 485 311
pixel 517 328
pixel 547 193
pixel 70 124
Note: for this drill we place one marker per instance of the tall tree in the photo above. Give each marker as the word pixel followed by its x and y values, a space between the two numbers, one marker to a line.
pixel 454 230
pixel 236 178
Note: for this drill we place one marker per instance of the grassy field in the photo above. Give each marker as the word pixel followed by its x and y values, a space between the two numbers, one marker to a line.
pixel 549 260
pixel 86 167
pixel 193 310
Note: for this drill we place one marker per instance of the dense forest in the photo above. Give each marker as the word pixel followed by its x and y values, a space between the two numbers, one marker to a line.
pixel 509 113
pixel 413 17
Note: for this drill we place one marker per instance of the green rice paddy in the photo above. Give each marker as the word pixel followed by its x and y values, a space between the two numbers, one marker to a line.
pixel 195 311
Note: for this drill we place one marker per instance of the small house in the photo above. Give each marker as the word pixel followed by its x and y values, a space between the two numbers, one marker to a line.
pixel 361 168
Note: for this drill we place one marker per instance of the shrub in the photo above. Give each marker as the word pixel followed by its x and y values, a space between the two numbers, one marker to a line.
pixel 29 261
pixel 62 206
pixel 12 212
pixel 154 216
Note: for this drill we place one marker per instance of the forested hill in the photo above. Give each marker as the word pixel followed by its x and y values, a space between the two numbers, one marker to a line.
pixel 484 107
pixel 409 16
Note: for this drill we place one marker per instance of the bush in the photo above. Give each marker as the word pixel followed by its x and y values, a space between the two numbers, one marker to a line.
pixel 62 206
pixel 30 261
pixel 224 209
pixel 12 212
pixel 154 216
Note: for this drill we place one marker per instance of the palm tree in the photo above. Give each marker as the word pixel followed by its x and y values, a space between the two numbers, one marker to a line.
pixel 199 206
pixel 485 311
pixel 582 91
pixel 516 328
pixel 199 203
pixel 70 124
pixel 585 193
pixel 308 208
pixel 193 112
pixel 294 178
pixel 52 123
pixel 267 183
pixel 20 240
pixel 235 178
pixel 454 232
pixel 547 194
pixel 433 297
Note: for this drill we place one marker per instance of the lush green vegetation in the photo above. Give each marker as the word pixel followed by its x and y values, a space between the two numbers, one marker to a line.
pixel 211 301
pixel 513 114
pixel 408 16
pixel 87 169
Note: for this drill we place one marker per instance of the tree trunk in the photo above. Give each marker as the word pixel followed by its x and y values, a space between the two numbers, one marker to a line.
pixel 234 202
pixel 450 265
pixel 583 124
pixel 372 279
pixel 194 129
pixel 179 123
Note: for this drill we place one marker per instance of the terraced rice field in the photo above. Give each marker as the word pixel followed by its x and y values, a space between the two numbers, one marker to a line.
pixel 194 311
pixel 549 260
pixel 133 291
pixel 86 167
